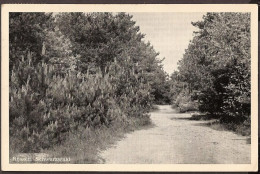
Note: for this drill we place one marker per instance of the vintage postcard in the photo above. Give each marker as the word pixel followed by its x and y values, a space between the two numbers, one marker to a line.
pixel 129 87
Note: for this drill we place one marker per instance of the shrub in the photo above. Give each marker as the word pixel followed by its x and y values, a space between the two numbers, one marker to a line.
pixel 45 107
pixel 184 102
pixel 84 71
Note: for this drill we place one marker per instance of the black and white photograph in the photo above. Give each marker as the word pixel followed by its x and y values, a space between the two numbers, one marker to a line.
pixel 130 87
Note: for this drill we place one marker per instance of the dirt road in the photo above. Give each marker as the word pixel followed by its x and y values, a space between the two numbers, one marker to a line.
pixel 174 139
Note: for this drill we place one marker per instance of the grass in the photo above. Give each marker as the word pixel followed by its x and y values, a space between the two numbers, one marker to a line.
pixel 243 129
pixel 84 145
pixel 202 117
pixel 240 129
pixel 187 107
pixel 154 108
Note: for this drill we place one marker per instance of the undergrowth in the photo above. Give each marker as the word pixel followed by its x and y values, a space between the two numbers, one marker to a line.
pixel 241 128
pixel 84 146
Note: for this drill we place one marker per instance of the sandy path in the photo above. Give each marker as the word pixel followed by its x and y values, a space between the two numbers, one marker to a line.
pixel 176 140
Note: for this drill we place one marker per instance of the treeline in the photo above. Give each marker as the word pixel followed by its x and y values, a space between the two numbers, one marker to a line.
pixel 76 71
pixel 214 74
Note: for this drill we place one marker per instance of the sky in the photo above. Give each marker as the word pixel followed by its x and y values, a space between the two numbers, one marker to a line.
pixel 169 33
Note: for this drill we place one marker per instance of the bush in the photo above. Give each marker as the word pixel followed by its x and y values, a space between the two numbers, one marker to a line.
pixel 184 103
pixel 90 141
pixel 83 71
pixel 221 81
pixel 46 107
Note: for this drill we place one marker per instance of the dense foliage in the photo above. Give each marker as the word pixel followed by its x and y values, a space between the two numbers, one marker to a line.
pixel 70 71
pixel 214 73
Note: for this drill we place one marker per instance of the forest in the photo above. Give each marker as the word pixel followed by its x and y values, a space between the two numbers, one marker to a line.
pixel 214 74
pixel 78 77
pixel 80 80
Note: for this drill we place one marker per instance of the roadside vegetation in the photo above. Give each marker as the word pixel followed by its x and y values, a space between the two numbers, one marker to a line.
pixel 213 76
pixel 78 81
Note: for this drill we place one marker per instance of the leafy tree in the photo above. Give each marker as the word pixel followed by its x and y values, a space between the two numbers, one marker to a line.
pixel 216 66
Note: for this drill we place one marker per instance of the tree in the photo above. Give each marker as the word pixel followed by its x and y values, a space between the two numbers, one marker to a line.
pixel 99 39
pixel 216 65
pixel 86 70
pixel 27 32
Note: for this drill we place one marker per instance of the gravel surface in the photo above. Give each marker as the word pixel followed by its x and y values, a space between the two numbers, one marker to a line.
pixel 174 139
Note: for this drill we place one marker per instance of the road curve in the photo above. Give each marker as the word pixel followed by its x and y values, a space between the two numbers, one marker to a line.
pixel 174 139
